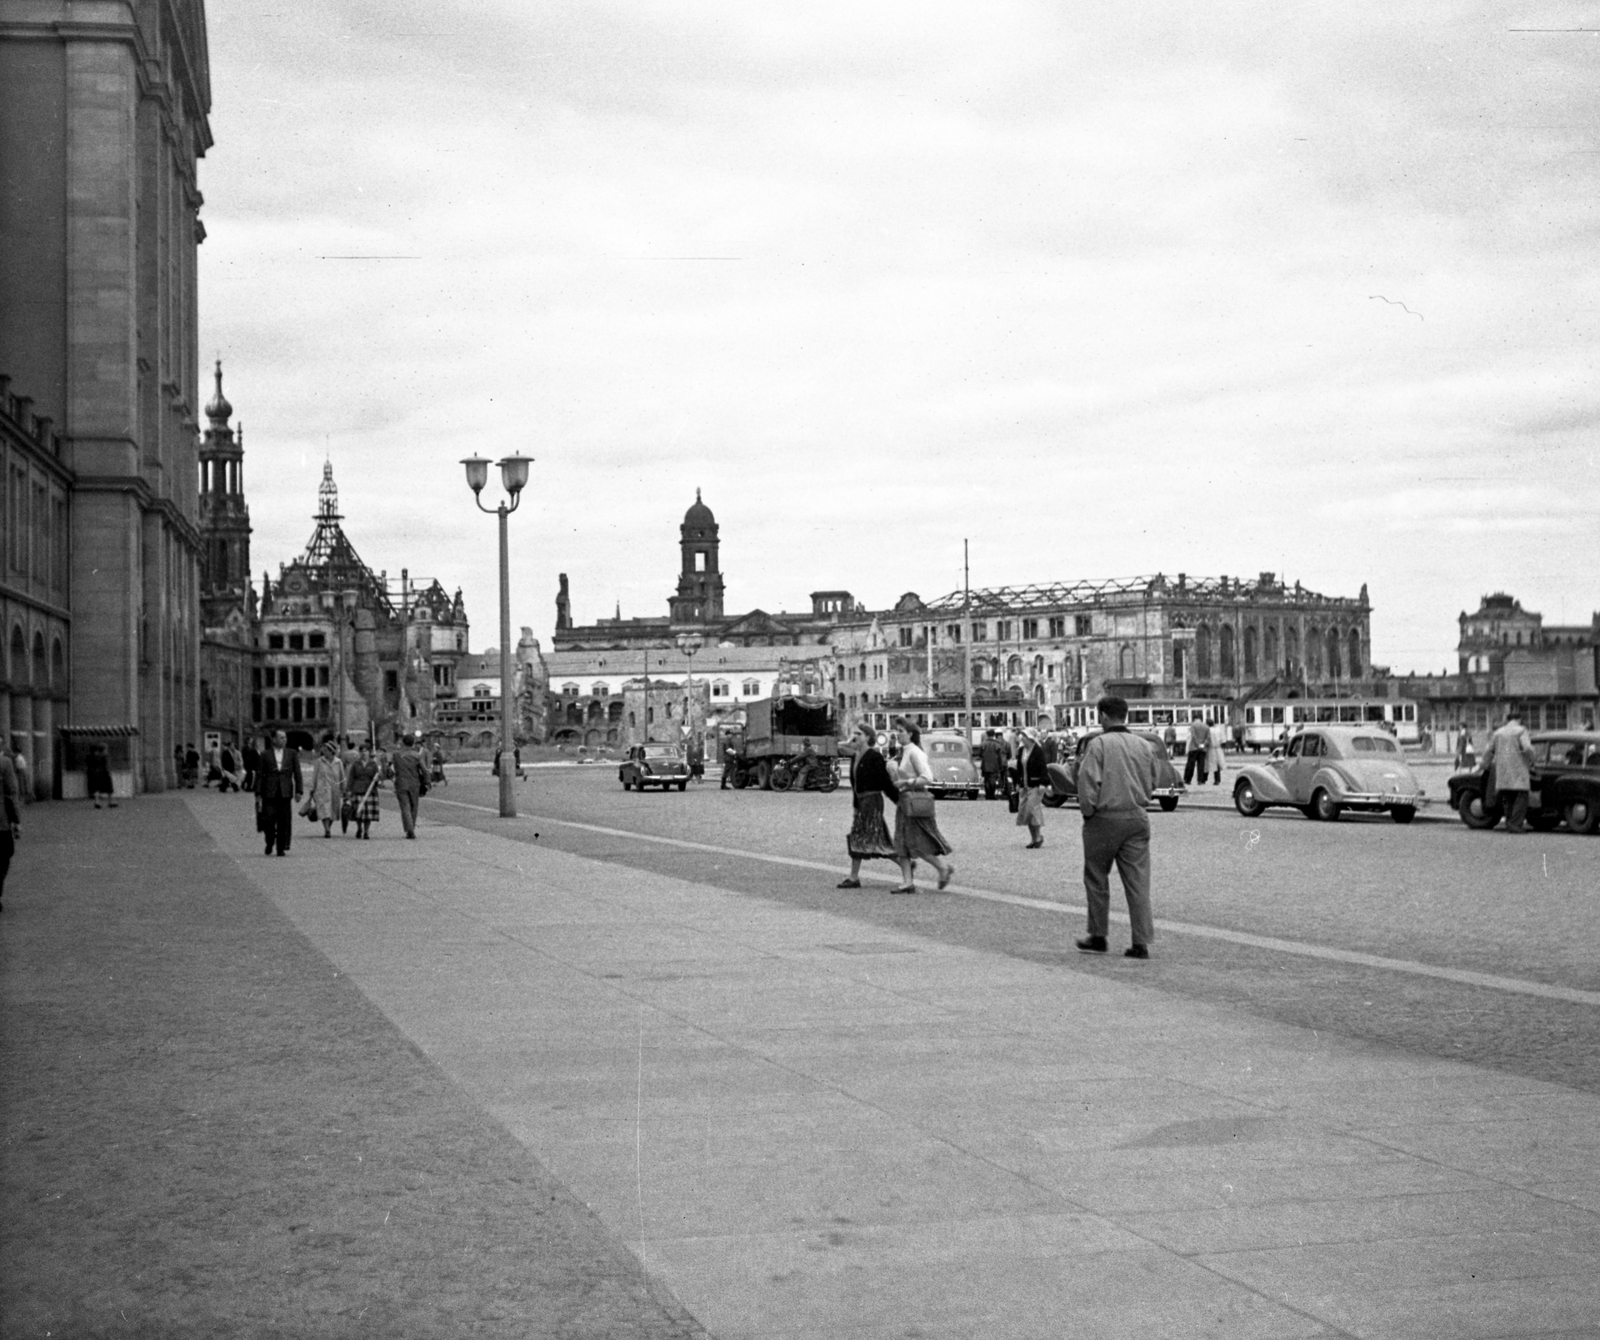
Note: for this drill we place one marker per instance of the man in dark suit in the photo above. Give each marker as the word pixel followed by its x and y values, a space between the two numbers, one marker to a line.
pixel 410 783
pixel 278 786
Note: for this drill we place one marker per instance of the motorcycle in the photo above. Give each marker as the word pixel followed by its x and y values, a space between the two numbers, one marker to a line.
pixel 820 774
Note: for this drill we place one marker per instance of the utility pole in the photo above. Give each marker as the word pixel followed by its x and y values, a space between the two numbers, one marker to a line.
pixel 966 634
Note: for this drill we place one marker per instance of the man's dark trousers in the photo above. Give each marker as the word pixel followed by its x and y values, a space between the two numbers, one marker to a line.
pixel 277 817
pixel 407 800
pixel 1195 762
pixel 1515 806
pixel 1121 837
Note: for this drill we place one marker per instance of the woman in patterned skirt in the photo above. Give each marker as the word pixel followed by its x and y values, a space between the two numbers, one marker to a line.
pixel 870 781
pixel 363 785
pixel 916 835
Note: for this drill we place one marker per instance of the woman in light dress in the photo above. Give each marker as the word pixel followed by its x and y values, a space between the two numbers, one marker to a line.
pixel 327 786
pixel 1032 779
pixel 916 835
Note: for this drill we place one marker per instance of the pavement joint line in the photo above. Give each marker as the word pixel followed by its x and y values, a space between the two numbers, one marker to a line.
pixel 1463 976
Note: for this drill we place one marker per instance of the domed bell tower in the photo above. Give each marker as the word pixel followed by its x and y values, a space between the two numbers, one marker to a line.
pixel 224 518
pixel 699 598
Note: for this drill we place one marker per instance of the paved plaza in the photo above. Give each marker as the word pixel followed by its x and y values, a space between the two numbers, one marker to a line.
pixel 481 1084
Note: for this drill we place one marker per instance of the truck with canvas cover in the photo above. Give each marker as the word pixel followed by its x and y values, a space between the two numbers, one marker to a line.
pixel 789 743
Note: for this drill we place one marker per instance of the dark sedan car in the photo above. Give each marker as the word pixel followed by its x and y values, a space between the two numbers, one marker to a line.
pixel 654 765
pixel 1063 786
pixel 1564 785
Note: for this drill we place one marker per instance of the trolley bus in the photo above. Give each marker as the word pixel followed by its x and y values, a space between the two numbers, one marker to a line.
pixel 1268 721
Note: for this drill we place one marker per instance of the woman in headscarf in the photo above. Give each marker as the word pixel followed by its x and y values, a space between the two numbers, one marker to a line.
pixel 363 787
pixel 327 786
pixel 916 833
pixel 870 782
pixel 1032 779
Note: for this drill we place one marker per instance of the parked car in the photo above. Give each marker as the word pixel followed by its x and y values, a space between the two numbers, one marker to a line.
pixel 1063 788
pixel 1329 769
pixel 1564 785
pixel 660 765
pixel 955 771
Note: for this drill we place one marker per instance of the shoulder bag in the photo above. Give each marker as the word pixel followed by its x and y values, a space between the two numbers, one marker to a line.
pixel 918 804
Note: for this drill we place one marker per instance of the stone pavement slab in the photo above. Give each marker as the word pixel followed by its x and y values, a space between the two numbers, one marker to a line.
pixel 803 1126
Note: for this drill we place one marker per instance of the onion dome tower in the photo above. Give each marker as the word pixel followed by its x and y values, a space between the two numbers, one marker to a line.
pixel 699 597
pixel 224 518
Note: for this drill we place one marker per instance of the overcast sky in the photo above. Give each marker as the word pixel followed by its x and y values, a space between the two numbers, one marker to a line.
pixel 1108 289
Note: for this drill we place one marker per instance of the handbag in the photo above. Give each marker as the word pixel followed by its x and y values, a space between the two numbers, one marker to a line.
pixel 918 804
pixel 1014 800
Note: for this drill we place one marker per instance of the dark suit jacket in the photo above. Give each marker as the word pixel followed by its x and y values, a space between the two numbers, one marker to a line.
pixel 1030 768
pixel 275 783
pixel 406 769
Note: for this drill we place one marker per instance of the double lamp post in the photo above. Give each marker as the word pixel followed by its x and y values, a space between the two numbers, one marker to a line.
pixel 513 478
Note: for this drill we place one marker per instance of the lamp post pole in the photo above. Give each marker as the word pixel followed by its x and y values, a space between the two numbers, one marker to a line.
pixel 513 476
pixel 688 644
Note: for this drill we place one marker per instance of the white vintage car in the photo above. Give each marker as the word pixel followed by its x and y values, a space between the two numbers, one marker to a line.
pixel 1325 770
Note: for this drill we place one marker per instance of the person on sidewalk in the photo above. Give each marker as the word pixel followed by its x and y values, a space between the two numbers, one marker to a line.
pixel 410 778
pixel 1509 754
pixel 10 792
pixel 278 786
pixel 1194 760
pixel 1214 755
pixel 250 756
pixel 916 831
pixel 870 782
pixel 191 766
pixel 1031 778
pixel 1115 779
pixel 98 775
pixel 327 786
pixel 361 786
pixel 992 763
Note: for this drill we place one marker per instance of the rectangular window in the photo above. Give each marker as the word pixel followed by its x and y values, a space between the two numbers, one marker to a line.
pixel 296 709
pixel 1058 625
pixel 274 641
pixel 1030 629
pixel 294 678
pixel 255 679
pixel 1083 624
pixel 322 675
pixel 905 637
pixel 391 681
pixel 980 632
pixel 317 641
pixel 297 642
pixel 255 707
pixel 752 688
pixel 953 633
pixel 1002 630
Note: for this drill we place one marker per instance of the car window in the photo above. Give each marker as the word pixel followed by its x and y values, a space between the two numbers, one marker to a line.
pixel 1373 744
pixel 1313 746
pixel 1592 758
pixel 1296 745
pixel 1568 753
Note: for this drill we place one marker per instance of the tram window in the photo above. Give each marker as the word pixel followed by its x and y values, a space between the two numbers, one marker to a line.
pixel 1326 713
pixel 1139 716
pixel 1350 712
pixel 1374 712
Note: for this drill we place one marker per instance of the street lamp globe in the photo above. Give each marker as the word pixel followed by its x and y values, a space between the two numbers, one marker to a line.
pixel 478 472
pixel 514 473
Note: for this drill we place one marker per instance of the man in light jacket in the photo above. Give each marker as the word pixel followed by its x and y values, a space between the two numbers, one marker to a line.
pixel 1510 757
pixel 1115 780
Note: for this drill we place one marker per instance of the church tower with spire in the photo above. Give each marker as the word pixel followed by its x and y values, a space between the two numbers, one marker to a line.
pixel 224 517
pixel 699 597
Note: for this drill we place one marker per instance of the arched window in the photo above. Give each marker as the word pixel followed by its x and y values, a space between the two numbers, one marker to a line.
pixel 1126 664
pixel 1226 652
pixel 1333 652
pixel 1250 661
pixel 1038 667
pixel 597 711
pixel 574 714
pixel 1038 694
pixel 40 674
pixel 19 656
pixel 1202 652
pixel 616 709
pixel 1291 649
pixel 1313 654
pixel 1353 668
pixel 1271 663
pixel 1014 668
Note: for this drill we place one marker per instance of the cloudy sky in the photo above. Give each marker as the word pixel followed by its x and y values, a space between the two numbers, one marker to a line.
pixel 1107 289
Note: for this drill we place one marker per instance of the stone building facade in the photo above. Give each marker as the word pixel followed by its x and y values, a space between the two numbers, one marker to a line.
pixel 338 649
pixel 1222 638
pixel 227 598
pixel 103 118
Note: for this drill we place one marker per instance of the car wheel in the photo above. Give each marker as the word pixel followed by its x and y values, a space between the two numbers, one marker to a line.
pixel 1244 799
pixel 682 786
pixel 1583 816
pixel 1474 813
pixel 972 795
pixel 1403 814
pixel 1169 803
pixel 1324 806
pixel 740 779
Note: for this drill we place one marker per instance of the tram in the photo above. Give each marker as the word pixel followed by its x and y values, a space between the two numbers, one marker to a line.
pixel 945 714
pixel 1154 714
pixel 1266 722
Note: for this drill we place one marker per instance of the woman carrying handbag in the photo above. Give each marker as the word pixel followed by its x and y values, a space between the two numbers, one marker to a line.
pixel 916 832
pixel 870 782
pixel 1031 779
